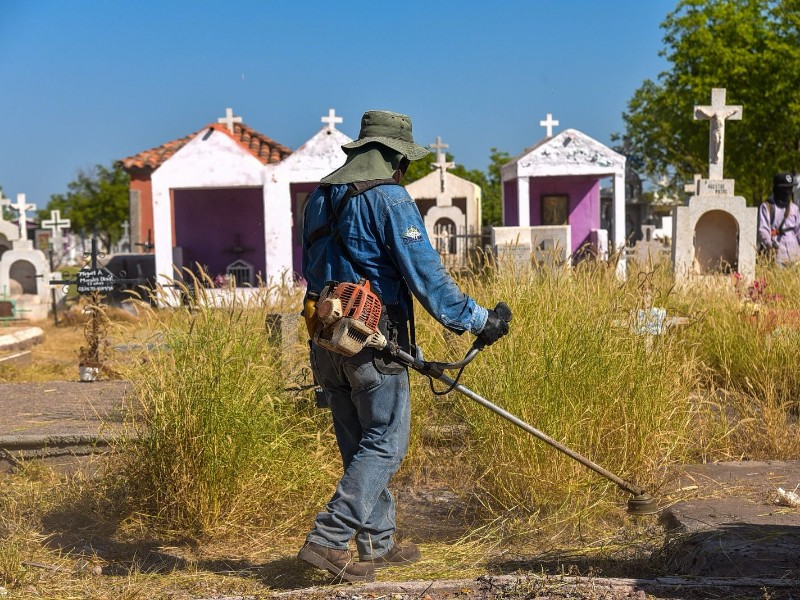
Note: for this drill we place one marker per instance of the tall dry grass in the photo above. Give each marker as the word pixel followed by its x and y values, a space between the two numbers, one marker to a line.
pixel 748 347
pixel 224 442
pixel 219 440
pixel 571 367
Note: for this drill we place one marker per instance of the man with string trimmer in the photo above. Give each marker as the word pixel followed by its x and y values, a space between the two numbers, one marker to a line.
pixel 365 252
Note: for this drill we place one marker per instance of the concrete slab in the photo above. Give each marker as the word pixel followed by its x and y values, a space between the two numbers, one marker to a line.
pixel 61 422
pixel 730 524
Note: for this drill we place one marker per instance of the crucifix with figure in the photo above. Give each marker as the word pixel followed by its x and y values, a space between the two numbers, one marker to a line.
pixel 717 113
pixel 22 207
pixel 441 160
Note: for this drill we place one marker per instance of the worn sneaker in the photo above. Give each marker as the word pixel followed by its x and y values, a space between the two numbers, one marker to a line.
pixel 397 555
pixel 338 562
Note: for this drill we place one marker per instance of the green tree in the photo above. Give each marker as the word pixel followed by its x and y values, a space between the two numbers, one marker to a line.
pixel 490 184
pixel 749 47
pixel 96 201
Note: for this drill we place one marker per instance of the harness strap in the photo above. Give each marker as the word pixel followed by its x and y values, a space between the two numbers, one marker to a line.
pixel 353 189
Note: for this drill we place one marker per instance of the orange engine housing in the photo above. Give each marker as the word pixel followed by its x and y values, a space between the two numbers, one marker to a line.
pixel 349 313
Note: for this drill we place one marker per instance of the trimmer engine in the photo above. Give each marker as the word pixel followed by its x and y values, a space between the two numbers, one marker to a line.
pixel 348 314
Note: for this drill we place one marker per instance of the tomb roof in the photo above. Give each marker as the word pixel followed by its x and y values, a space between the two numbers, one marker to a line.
pixel 265 149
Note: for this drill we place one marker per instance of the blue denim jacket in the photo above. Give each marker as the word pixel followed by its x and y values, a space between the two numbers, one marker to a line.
pixel 386 237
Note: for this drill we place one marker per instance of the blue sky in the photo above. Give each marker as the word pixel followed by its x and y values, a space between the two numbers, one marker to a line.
pixel 84 82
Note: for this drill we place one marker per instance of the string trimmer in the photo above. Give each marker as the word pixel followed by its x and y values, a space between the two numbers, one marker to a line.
pixel 349 314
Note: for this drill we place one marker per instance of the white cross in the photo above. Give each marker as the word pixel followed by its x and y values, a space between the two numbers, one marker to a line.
pixel 548 123
pixel 21 207
pixel 717 113
pixel 438 146
pixel 56 225
pixel 126 229
pixel 229 119
pixel 331 120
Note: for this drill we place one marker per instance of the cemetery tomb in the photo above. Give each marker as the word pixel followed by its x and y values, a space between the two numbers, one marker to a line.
pixel 192 198
pixel 556 183
pixel 451 210
pixel 287 186
pixel 715 234
pixel 24 270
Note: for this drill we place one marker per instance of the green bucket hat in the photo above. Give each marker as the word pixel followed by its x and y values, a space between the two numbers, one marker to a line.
pixel 390 129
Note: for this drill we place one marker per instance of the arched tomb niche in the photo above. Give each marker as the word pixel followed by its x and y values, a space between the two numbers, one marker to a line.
pixel 716 243
pixel 22 277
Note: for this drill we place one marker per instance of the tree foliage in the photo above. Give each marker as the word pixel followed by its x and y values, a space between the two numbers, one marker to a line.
pixel 489 182
pixel 97 200
pixel 749 47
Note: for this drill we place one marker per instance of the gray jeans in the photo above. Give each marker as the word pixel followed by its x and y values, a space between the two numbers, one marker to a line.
pixel 370 402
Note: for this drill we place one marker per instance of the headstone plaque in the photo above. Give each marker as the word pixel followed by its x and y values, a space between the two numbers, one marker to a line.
pixel 710 187
pixel 90 280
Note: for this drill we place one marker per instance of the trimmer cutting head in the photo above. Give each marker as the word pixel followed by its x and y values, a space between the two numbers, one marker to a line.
pixel 642 504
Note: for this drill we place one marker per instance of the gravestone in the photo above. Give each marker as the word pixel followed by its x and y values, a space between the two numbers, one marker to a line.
pixel 523 247
pixel 648 250
pixel 715 234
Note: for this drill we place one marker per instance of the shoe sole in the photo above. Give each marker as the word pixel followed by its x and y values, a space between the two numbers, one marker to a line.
pixel 322 563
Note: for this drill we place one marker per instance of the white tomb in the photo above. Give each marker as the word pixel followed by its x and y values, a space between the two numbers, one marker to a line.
pixel 716 233
pixel 24 271
pixel 451 209
pixel 556 183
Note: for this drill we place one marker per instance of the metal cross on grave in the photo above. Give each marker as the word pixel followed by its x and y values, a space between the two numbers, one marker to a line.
pixel 548 123
pixel 331 120
pixel 441 160
pixel 22 207
pixel 717 113
pixel 228 120
pixel 56 225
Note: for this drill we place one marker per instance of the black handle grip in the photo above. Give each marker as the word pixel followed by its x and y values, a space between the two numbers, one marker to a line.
pixel 503 311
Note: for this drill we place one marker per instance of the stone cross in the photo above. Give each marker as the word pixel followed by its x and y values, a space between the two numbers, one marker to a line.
pixel 438 146
pixel 691 188
pixel 22 207
pixel 228 120
pixel 441 160
pixel 331 120
pixel 717 113
pixel 548 123
pixel 124 243
pixel 56 225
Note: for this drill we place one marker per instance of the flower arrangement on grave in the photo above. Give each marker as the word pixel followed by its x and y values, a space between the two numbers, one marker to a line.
pixel 222 281
pixel 753 298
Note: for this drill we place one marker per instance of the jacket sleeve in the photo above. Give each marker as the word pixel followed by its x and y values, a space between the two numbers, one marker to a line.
pixel 765 227
pixel 405 237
